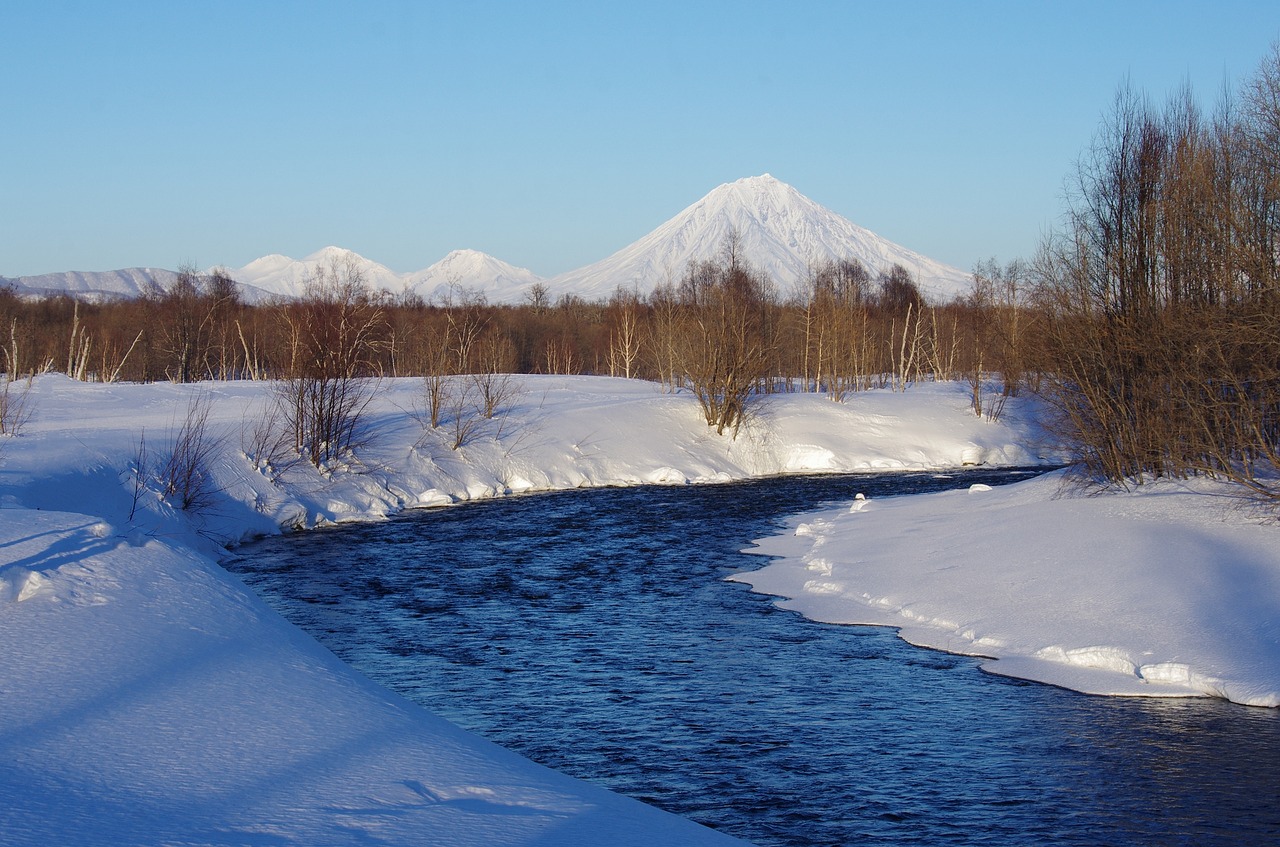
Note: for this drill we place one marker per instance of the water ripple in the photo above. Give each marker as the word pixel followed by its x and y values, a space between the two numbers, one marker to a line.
pixel 593 631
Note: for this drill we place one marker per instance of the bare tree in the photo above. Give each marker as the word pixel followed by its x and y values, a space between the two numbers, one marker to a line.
pixel 624 335
pixel 538 297
pixel 835 326
pixel 192 322
pixel 727 343
pixel 16 405
pixel 1163 320
pixel 183 470
pixel 333 333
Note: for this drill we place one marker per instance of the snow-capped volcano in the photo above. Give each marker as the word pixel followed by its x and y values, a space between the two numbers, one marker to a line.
pixel 781 232
pixel 286 277
pixel 499 281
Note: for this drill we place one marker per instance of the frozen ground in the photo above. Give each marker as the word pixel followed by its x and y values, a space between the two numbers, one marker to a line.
pixel 146 697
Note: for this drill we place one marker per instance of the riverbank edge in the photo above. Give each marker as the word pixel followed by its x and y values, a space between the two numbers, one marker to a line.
pixel 1170 590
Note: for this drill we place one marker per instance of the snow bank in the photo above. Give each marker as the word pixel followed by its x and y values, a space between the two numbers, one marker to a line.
pixel 147 697
pixel 1163 591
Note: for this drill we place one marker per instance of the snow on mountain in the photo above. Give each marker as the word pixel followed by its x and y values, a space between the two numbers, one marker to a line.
pixel 782 233
pixel 92 285
pixel 286 277
pixel 499 281
pixel 470 269
pixel 101 286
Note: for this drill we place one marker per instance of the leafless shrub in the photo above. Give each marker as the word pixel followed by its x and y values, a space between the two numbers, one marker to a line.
pixel 726 343
pixel 437 384
pixel 334 332
pixel 139 473
pixel 464 408
pixel 16 406
pixel 267 444
pixel 495 393
pixel 995 406
pixel 464 422
pixel 183 470
pixel 325 417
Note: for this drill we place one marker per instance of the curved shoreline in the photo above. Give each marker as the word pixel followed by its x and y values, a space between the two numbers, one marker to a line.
pixel 1163 592
pixel 149 697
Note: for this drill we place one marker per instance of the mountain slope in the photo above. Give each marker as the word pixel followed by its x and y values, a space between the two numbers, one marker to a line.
pixel 499 281
pixel 125 283
pixel 781 232
pixel 470 269
pixel 286 277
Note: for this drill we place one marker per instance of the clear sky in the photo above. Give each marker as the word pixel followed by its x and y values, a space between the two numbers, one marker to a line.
pixel 551 134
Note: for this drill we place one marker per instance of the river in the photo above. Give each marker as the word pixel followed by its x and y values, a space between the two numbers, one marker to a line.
pixel 593 631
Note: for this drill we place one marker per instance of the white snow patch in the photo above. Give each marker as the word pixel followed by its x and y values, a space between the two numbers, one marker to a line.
pixel 1102 658
pixel 809 458
pixel 1166 591
pixel 666 476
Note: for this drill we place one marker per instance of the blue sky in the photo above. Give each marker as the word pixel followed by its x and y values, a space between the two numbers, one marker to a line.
pixel 552 134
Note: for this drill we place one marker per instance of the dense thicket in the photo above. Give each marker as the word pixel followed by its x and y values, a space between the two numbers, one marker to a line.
pixel 1160 299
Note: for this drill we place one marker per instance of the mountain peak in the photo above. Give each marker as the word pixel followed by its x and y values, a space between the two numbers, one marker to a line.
pixel 755 198
pixel 325 254
pixel 780 231
pixel 754 185
pixel 283 275
pixel 471 269
pixel 467 256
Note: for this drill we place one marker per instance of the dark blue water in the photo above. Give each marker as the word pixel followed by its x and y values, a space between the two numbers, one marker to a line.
pixel 593 631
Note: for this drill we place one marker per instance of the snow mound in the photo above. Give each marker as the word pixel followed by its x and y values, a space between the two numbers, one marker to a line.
pixel 809 458
pixel 1164 592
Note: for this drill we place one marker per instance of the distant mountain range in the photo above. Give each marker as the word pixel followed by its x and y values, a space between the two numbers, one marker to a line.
pixel 781 232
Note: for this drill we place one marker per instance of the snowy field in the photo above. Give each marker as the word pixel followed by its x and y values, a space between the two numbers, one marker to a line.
pixel 147 697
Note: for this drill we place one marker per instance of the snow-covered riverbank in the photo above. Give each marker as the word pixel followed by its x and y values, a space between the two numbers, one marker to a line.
pixel 1169 590
pixel 148 697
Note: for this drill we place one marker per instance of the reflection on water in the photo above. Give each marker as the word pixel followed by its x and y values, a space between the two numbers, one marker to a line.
pixel 593 631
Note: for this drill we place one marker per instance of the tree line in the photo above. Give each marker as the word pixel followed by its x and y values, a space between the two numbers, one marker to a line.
pixel 722 329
